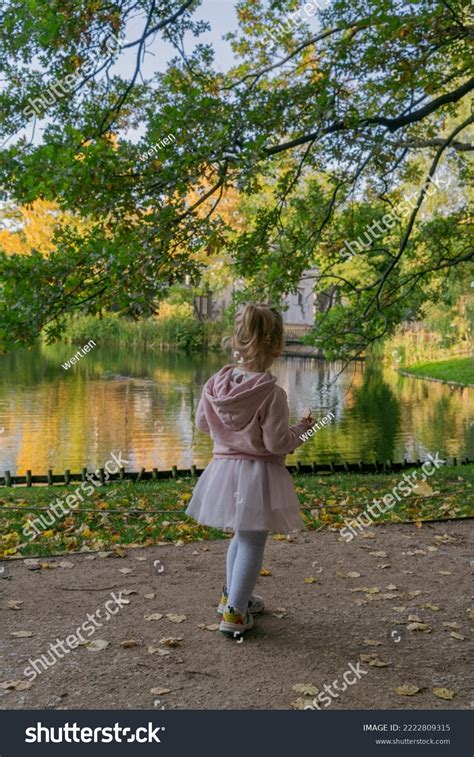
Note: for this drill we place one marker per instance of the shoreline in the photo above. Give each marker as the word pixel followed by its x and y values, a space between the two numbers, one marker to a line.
pixel 431 378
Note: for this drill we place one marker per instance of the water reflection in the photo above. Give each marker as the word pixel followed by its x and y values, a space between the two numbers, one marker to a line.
pixel 143 404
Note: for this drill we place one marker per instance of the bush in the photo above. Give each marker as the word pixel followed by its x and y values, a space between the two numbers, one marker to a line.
pixel 174 327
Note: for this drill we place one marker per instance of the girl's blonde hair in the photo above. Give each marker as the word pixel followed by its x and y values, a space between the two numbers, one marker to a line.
pixel 258 335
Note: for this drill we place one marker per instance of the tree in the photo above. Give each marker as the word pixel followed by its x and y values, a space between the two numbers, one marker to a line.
pixel 333 120
pixel 32 227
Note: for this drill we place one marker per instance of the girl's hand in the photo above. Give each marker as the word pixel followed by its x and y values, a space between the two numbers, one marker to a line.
pixel 307 417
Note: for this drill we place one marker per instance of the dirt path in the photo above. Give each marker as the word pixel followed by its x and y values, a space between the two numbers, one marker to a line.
pixel 322 630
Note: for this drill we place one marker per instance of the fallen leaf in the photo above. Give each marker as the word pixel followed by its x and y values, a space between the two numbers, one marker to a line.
pixel 415 593
pixel 96 645
pixel 175 618
pixel 351 574
pixel 470 613
pixel 171 641
pixel 379 663
pixel 389 595
pixel 429 606
pixel 407 690
pixel 391 587
pixel 372 642
pixel 379 553
pixel 444 539
pixel 305 688
pixel 21 634
pixel 265 572
pixel 154 616
pixel 399 609
pixel 383 565
pixel 66 564
pixel 310 580
pixel 129 643
pixel 445 573
pixel 124 570
pixel 23 685
pixel 419 627
pixel 16 685
pixel 211 627
pixel 414 619
pixel 149 596
pixel 423 489
pixel 140 558
pixel 159 691
pixel 452 624
pixel 457 636
pixel 443 693
pixel 162 652
pixel 14 604
pixel 127 592
pixel 302 703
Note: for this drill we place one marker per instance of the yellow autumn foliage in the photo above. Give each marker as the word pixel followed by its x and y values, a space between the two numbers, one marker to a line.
pixel 32 227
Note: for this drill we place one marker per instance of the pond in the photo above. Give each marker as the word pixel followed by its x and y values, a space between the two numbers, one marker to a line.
pixel 143 405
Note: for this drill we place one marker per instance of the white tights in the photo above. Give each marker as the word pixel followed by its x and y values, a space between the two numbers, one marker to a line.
pixel 244 561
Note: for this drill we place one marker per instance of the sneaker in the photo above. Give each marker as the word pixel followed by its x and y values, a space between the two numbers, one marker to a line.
pixel 235 624
pixel 255 605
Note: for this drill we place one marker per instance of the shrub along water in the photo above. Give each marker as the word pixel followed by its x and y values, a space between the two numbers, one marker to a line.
pixel 175 327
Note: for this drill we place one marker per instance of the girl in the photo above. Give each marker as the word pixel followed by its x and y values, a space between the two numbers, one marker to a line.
pixel 246 487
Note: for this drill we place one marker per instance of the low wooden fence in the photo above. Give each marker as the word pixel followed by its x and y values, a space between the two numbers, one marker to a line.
pixel 156 475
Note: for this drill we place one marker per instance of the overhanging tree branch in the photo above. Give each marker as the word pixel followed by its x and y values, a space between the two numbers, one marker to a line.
pixel 392 124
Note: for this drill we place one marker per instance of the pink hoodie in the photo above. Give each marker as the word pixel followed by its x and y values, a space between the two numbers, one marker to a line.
pixel 247 418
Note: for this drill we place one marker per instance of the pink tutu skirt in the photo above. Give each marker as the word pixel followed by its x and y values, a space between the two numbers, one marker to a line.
pixel 248 495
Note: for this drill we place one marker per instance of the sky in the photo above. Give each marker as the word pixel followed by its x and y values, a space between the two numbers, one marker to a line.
pixel 222 17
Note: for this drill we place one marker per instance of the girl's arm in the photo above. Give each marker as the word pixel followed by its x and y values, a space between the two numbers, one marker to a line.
pixel 201 420
pixel 279 437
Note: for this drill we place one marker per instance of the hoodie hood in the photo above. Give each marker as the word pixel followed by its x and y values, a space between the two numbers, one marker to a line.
pixel 236 402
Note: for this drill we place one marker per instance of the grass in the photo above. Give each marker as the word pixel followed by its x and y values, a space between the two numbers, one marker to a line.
pixel 326 502
pixel 456 369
